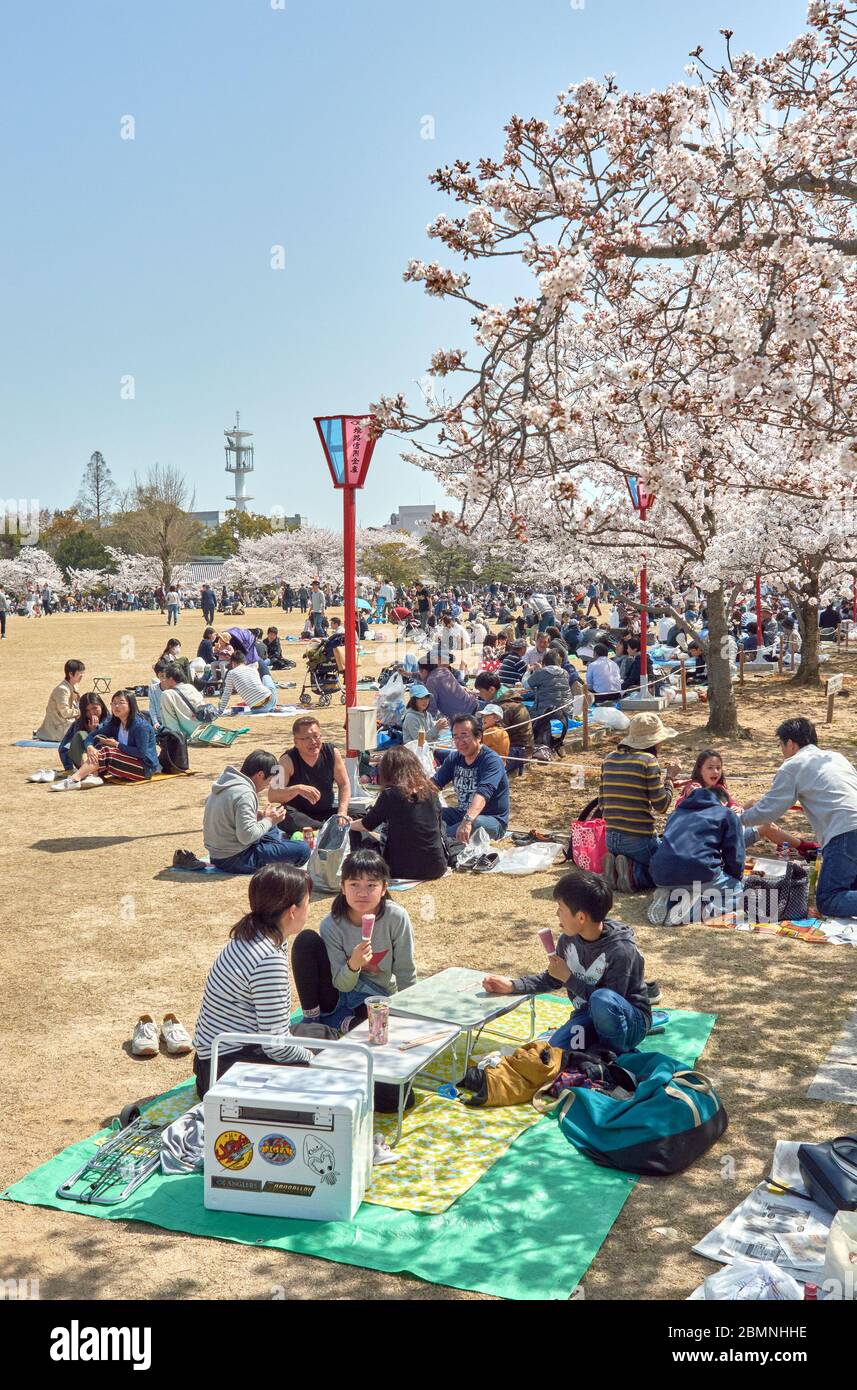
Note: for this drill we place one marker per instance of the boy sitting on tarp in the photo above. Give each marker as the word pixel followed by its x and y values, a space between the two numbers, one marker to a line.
pixel 598 962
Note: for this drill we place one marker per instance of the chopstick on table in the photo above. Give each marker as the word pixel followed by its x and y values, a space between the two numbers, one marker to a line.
pixel 426 1038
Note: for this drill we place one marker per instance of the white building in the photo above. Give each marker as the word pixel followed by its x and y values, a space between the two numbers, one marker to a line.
pixel 413 519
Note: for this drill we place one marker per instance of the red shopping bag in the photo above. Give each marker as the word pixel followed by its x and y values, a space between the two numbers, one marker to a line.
pixel 588 844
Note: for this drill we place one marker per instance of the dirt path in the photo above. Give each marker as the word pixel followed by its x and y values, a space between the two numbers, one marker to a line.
pixel 96 934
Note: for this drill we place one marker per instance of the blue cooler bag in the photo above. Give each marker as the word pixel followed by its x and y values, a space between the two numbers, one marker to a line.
pixel 672 1118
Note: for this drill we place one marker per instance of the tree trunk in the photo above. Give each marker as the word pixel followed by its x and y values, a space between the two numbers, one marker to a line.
pixel 722 711
pixel 808 672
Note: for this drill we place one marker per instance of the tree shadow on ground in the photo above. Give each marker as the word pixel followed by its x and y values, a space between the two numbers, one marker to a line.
pixel 79 842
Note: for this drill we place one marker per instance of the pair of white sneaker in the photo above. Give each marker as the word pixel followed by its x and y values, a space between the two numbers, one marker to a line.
pixel 44 774
pixel 176 1038
pixel 71 784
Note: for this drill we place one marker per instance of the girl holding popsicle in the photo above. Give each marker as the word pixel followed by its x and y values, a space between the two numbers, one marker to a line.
pixel 365 947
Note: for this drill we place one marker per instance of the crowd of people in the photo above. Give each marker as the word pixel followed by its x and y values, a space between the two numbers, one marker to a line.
pixel 261 813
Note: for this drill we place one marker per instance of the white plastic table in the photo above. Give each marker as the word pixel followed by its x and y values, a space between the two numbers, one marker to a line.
pixel 394 1066
pixel 456 996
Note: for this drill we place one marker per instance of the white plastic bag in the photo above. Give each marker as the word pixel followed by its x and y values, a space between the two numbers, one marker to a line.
pixel 839 1279
pixel 390 702
pixel 755 1280
pixel 609 717
pixel 527 859
pixel 424 757
pixel 476 846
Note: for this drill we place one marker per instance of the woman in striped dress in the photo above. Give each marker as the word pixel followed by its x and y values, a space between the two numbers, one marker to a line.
pixel 248 987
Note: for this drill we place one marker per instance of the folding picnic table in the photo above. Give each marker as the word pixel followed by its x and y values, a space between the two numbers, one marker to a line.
pixel 455 996
pixel 413 1043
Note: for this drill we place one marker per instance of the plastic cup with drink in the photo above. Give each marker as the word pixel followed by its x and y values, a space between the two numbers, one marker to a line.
pixel 378 1011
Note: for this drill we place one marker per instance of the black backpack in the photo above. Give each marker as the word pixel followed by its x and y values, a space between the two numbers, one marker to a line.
pixel 172 751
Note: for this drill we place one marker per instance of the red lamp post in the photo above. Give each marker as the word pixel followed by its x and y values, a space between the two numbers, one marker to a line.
pixel 642 500
pixel 348 443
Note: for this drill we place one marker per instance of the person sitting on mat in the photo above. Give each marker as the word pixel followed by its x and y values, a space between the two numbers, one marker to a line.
pixel 247 989
pixel 276 660
pixel 63 705
pixel 309 772
pixel 173 653
pixel 494 735
pixel 123 747
pixel 600 965
pixel 240 837
pixel 205 650
pixel 93 712
pixel 707 771
pixel 156 691
pixel 180 702
pixel 410 808
pixel 480 783
pixel 417 719
pixel 336 971
pixel 698 866
pixel 259 692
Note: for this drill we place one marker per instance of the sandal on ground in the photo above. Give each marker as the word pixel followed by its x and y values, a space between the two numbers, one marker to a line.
pixel 486 863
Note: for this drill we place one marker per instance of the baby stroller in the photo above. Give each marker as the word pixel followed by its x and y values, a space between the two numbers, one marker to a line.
pixel 323 677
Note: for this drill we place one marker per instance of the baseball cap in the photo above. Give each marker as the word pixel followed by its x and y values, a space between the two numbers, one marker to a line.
pixel 492 709
pixel 417 692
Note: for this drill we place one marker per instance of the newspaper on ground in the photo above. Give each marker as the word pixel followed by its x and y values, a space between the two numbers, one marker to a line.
pixel 751 1231
pixel 785 1169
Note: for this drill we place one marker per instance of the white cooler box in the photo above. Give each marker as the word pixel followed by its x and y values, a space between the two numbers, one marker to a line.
pixel 289 1141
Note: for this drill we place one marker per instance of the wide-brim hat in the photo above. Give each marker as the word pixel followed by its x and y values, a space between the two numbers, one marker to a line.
pixel 645 730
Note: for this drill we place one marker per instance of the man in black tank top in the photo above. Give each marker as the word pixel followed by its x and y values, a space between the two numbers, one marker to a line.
pixel 311 770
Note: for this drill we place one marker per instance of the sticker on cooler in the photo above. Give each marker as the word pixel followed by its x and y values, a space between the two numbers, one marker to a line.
pixel 233 1150
pixel 276 1148
pixel 321 1159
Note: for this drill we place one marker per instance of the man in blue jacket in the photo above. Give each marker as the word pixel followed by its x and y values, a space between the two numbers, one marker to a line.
pixel 480 783
pixel 701 854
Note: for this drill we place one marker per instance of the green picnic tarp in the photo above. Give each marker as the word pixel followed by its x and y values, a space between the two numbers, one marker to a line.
pixel 529 1229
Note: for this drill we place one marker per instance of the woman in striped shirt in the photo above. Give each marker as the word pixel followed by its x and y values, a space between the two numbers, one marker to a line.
pixel 247 989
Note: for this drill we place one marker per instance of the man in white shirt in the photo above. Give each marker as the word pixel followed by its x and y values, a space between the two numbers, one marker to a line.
pixel 386 594
pixel 479 632
pixel 317 605
pixel 603 676
pixel 544 612
pixel 825 785
pixel 534 655
pixel 451 638
pixel 259 692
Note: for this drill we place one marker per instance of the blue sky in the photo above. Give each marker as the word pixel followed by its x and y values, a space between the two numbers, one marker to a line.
pixel 257 127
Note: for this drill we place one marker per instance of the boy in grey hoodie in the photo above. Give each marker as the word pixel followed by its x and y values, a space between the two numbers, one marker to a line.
pixel 598 961
pixel 239 836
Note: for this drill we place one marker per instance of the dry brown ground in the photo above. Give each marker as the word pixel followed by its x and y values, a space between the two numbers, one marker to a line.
pixel 96 933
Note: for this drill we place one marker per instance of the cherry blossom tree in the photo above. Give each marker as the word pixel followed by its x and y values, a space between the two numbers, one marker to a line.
pixel 686 314
pixel 311 552
pixel 31 569
pixel 135 573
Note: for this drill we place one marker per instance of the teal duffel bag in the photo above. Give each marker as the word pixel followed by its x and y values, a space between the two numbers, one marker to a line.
pixel 674 1115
